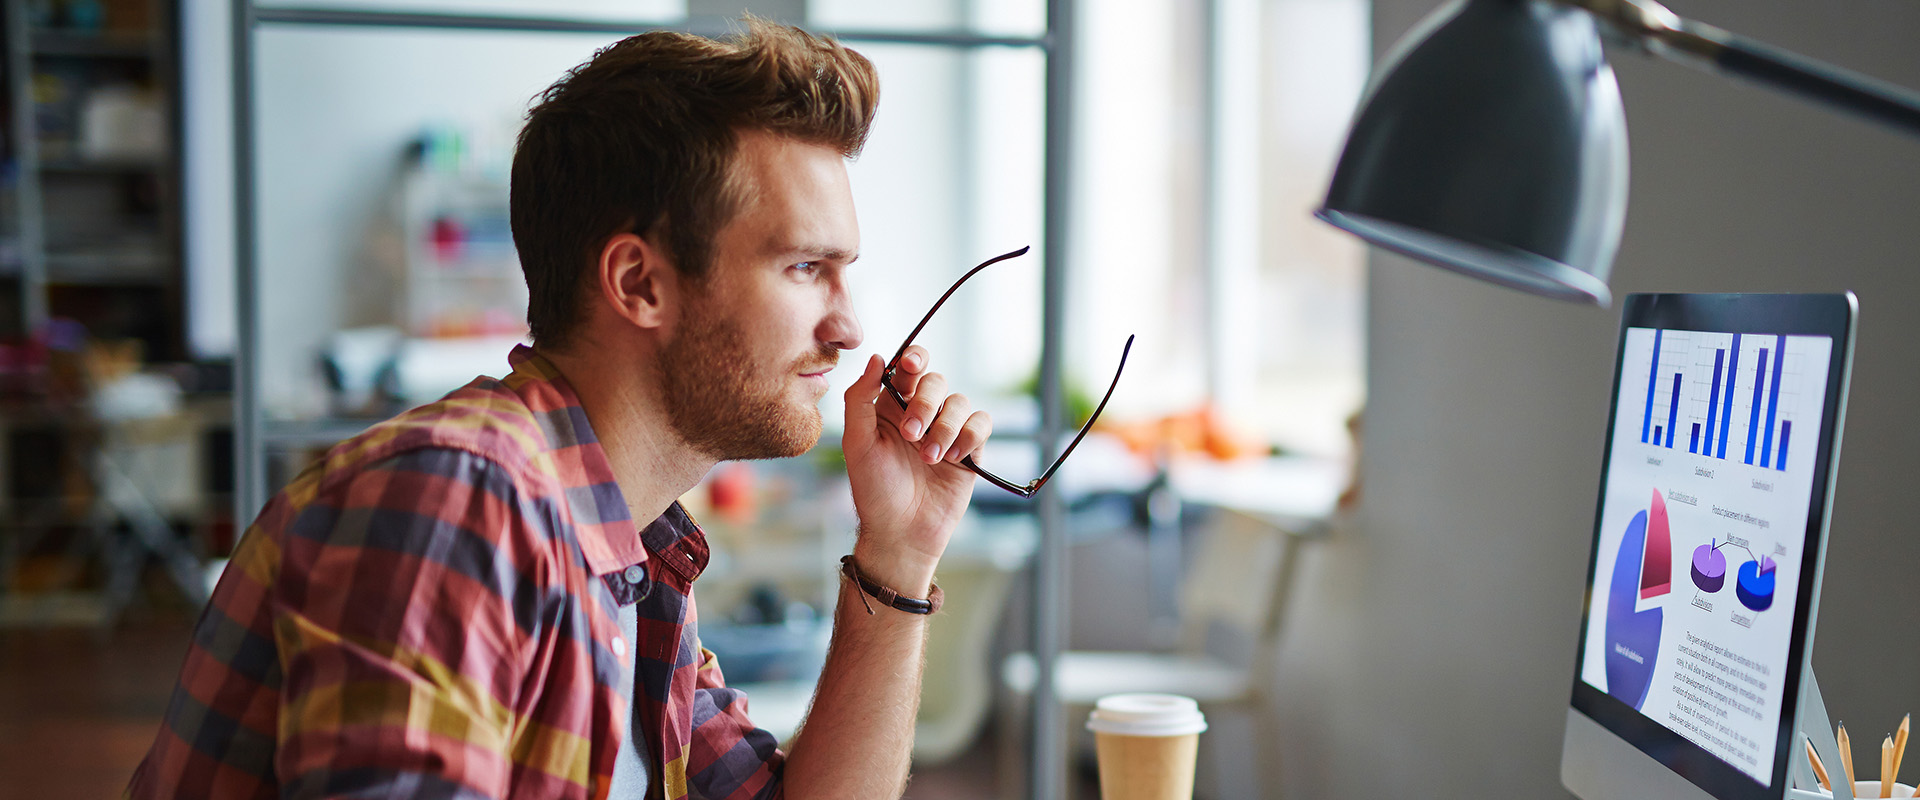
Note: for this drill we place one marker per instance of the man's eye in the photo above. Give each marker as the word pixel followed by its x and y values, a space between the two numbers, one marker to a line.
pixel 804 266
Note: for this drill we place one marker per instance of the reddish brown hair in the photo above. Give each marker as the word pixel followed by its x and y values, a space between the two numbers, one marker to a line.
pixel 641 138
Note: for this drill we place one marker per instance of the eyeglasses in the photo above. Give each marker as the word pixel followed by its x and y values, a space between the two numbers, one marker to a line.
pixel 1029 488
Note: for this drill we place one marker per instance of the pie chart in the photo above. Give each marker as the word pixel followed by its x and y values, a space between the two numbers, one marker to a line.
pixel 1754 587
pixel 1656 565
pixel 1641 569
pixel 1709 570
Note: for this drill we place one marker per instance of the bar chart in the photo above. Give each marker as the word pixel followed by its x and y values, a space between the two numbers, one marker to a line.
pixel 1725 396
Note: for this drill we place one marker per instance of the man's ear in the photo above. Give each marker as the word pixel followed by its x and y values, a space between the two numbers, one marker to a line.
pixel 635 281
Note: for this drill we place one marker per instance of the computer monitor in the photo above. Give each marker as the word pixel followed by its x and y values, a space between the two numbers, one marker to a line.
pixel 1708 545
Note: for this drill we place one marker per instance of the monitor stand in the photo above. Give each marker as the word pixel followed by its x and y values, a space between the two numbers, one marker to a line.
pixel 1814 726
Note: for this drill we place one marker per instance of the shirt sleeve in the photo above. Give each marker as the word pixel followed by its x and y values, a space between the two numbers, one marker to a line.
pixel 730 758
pixel 395 618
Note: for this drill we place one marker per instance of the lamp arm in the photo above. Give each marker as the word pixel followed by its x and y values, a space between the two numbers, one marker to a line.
pixel 1649 26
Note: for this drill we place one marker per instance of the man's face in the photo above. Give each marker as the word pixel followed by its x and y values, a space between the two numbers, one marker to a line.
pixel 746 364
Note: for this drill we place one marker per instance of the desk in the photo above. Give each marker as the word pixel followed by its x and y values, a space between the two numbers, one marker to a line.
pixel 1296 493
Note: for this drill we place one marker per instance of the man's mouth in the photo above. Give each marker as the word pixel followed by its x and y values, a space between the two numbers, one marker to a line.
pixel 816 377
pixel 818 370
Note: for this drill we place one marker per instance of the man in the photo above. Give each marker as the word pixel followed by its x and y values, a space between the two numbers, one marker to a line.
pixel 492 595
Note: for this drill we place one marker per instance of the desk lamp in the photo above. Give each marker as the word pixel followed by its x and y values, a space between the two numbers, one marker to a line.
pixel 1492 141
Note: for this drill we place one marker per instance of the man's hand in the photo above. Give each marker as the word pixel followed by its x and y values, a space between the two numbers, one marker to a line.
pixel 908 486
pixel 910 491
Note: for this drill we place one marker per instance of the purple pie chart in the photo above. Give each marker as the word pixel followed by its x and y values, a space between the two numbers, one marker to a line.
pixel 1709 568
pixel 1632 636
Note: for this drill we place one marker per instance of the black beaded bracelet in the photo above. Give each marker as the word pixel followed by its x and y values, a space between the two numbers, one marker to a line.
pixel 888 596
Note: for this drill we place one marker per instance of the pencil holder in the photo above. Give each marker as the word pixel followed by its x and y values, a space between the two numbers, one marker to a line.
pixel 1864 790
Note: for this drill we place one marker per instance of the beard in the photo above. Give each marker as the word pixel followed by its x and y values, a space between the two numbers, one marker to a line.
pixel 722 401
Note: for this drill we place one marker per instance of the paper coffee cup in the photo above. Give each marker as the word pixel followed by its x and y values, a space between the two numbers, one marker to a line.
pixel 1147 744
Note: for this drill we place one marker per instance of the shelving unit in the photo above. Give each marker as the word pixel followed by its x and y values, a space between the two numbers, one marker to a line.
pixel 461 275
pixel 92 202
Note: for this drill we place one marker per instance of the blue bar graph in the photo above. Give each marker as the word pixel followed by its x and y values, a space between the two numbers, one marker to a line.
pixel 1773 395
pixel 1673 408
pixel 1712 436
pixel 1653 378
pixel 1759 383
pixel 1713 397
pixel 1726 411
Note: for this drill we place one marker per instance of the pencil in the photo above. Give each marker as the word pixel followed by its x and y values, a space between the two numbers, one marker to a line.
pixel 1846 753
pixel 1819 769
pixel 1886 767
pixel 1900 744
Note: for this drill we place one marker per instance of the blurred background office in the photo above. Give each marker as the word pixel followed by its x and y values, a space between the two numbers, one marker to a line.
pixel 377 136
pixel 1417 638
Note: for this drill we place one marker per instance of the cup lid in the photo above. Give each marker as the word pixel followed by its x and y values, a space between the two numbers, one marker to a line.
pixel 1147 715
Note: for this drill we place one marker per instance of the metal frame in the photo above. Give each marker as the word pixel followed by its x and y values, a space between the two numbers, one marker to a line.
pixel 539 24
pixel 1048 752
pixel 29 207
pixel 249 450
pixel 1648 26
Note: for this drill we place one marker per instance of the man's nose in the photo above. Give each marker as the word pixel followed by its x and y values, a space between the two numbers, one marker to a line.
pixel 841 329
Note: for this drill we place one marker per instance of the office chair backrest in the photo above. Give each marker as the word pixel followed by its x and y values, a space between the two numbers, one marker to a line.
pixel 1231 589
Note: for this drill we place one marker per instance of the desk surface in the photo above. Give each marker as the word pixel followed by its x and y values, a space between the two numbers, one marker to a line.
pixel 1289 490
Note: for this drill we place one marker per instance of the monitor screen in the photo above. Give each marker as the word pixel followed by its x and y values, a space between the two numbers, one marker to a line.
pixel 1712 504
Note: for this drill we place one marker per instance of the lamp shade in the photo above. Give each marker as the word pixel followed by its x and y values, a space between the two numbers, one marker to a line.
pixel 1492 142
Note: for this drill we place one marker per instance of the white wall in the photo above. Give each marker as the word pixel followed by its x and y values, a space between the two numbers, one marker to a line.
pixel 1431 648
pixel 336 107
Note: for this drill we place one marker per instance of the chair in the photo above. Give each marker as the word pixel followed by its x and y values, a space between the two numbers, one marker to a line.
pixel 1232 602
pixel 956 689
pixel 144 469
pixel 956 692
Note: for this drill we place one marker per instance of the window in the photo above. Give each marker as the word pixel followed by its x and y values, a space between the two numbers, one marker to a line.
pixel 1274 329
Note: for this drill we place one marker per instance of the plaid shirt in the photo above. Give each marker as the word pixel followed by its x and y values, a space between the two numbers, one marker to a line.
pixel 431 610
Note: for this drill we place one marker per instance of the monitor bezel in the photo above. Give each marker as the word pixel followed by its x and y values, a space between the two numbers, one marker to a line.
pixel 1830 315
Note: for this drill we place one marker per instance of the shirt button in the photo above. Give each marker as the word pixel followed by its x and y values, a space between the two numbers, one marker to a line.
pixel 619 646
pixel 634 574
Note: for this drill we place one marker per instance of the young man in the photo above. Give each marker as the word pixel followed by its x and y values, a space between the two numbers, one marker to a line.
pixel 492 595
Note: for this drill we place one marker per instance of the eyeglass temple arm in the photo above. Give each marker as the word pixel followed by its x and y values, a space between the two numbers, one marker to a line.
pixel 942 301
pixel 1032 487
pixel 1062 459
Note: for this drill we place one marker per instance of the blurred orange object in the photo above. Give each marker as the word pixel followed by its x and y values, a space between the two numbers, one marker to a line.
pixel 1203 430
pixel 731 492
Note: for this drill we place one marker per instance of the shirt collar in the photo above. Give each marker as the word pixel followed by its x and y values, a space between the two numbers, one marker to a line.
pixel 602 523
